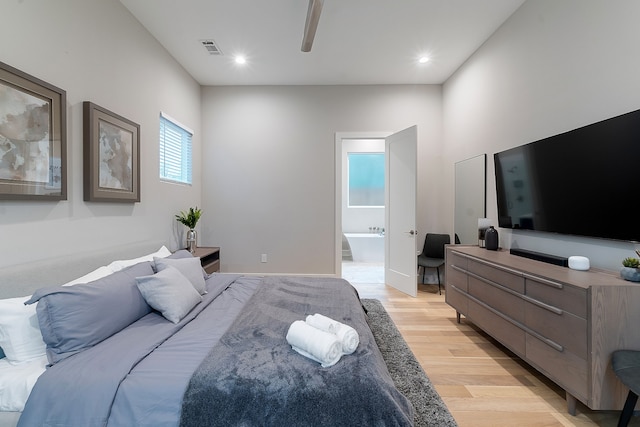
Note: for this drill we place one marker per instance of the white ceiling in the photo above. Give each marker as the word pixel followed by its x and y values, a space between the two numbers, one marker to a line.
pixel 357 41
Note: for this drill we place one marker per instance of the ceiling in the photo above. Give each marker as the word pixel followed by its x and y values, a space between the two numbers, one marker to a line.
pixel 357 41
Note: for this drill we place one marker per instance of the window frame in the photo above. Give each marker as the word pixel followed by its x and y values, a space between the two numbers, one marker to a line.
pixel 186 151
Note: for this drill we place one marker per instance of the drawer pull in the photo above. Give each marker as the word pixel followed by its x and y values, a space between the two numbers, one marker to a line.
pixel 496 266
pixel 494 284
pixel 547 341
pixel 528 330
pixel 544 281
pixel 540 304
pixel 548 307
pixel 460 269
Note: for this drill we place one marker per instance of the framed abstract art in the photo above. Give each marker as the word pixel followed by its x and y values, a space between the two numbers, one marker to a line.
pixel 111 156
pixel 33 138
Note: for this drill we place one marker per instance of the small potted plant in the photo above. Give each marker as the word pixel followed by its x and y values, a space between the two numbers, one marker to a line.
pixel 631 268
pixel 190 219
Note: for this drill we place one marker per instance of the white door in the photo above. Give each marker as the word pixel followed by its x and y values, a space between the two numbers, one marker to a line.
pixel 400 261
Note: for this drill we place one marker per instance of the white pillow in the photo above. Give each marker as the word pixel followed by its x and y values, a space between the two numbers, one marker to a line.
pixel 16 382
pixel 169 292
pixel 20 336
pixel 118 265
pixel 191 268
pixel 96 274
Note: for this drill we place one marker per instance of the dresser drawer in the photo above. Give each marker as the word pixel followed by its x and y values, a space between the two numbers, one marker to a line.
pixel 501 300
pixel 563 367
pixel 504 331
pixel 457 260
pixel 457 299
pixel 565 329
pixel 457 277
pixel 503 277
pixel 568 298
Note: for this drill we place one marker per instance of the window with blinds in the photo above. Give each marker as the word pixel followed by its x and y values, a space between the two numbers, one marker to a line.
pixel 175 150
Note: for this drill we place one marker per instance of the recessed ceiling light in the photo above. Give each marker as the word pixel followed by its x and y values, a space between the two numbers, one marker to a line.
pixel 423 59
pixel 241 59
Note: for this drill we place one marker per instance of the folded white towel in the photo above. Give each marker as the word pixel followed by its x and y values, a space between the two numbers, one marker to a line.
pixel 318 345
pixel 323 322
pixel 348 336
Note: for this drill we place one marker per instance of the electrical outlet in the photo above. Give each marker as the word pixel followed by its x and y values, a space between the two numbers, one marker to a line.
pixel 263 258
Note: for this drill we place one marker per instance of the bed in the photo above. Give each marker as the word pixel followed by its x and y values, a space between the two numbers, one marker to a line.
pixel 141 357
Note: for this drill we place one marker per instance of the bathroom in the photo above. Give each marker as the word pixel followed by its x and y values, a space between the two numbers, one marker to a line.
pixel 363 211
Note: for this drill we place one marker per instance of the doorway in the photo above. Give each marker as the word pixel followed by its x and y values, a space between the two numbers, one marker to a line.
pixel 399 206
pixel 363 210
pixel 359 225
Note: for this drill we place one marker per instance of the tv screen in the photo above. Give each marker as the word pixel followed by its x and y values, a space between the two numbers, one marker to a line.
pixel 582 182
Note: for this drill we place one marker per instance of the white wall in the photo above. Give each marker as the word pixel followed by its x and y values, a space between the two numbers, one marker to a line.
pixel 96 51
pixel 269 177
pixel 267 172
pixel 552 67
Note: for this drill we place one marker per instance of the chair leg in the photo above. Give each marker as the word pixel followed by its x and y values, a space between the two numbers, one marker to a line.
pixel 438 270
pixel 627 411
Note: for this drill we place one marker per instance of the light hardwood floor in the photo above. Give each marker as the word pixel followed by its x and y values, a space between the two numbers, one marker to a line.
pixel 481 382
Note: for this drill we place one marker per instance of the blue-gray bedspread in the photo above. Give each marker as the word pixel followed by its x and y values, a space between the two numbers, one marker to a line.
pixel 137 377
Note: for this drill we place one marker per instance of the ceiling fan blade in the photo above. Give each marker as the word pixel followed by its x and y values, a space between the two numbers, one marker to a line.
pixel 311 25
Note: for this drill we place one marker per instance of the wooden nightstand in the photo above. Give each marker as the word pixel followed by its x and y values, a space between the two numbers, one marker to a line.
pixel 209 258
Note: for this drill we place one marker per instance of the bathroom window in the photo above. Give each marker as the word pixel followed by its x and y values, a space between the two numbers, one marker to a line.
pixel 366 179
pixel 175 151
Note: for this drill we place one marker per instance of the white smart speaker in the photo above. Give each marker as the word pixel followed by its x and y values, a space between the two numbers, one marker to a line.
pixel 578 263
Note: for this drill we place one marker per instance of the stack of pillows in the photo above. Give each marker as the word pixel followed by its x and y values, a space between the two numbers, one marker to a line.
pixel 68 319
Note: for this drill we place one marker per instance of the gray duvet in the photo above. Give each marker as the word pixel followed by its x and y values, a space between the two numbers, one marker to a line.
pixel 254 378
pixel 227 363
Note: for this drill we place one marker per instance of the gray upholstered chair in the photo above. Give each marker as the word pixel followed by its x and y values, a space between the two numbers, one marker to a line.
pixel 432 255
pixel 626 365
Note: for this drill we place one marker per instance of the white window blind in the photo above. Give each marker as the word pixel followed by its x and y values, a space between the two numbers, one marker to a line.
pixel 175 150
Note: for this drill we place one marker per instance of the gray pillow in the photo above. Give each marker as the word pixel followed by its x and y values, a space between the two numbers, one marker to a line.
pixel 169 292
pixel 183 253
pixel 73 318
pixel 191 268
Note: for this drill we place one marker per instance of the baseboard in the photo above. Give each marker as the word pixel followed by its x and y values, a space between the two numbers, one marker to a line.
pixel 539 256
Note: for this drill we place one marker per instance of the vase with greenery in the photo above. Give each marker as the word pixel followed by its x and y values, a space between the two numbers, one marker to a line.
pixel 190 219
pixel 631 268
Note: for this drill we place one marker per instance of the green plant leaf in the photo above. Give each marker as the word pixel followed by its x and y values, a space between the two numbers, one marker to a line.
pixel 189 218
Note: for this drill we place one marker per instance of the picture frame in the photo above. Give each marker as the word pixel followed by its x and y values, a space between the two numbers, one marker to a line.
pixel 33 137
pixel 111 156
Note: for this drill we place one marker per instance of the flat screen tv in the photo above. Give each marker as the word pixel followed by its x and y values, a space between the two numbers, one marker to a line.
pixel 583 182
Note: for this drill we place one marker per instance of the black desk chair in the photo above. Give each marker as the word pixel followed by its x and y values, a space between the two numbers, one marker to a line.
pixel 432 255
pixel 626 365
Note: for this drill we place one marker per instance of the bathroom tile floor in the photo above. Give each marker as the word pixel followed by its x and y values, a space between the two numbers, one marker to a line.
pixel 363 272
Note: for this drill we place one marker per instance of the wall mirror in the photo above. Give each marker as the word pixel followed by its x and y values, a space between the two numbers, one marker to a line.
pixel 470 198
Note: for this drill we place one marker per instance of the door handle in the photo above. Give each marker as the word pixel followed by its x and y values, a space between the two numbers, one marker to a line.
pixel 412 232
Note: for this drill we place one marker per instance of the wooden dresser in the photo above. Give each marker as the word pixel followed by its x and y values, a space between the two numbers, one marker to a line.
pixel 563 322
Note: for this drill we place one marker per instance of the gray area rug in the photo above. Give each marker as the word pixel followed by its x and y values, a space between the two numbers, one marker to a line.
pixel 405 370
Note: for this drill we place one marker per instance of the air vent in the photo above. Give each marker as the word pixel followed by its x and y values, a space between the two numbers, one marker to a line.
pixel 211 47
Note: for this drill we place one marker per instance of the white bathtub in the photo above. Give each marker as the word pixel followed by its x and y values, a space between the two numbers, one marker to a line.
pixel 366 247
